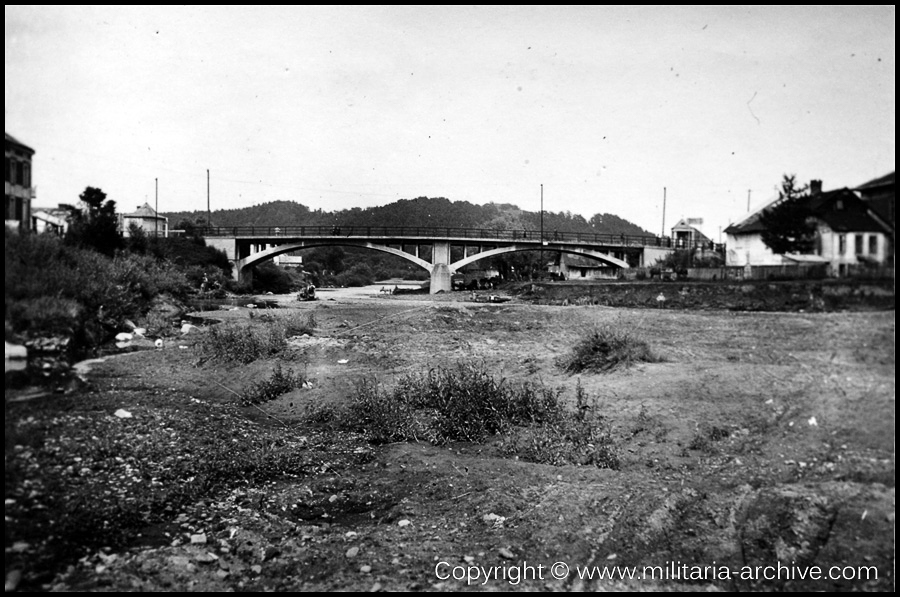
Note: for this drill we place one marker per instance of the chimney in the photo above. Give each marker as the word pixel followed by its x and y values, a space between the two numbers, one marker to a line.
pixel 815 187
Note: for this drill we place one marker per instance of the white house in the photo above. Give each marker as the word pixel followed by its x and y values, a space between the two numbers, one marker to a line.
pixel 144 217
pixel 848 233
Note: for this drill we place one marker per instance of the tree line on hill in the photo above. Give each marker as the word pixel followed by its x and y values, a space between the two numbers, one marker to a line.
pixel 437 212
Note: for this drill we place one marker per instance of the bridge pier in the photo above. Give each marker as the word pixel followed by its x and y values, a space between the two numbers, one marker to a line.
pixel 440 267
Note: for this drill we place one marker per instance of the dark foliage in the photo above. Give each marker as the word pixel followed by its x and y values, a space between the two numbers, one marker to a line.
pixel 789 227
pixel 95 226
pixel 279 383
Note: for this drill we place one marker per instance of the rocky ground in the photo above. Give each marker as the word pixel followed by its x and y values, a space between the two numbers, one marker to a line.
pixel 759 439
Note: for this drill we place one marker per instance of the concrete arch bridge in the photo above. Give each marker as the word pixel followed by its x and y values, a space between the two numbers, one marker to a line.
pixel 247 246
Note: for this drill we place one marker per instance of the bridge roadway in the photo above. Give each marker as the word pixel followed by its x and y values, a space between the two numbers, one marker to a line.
pixel 247 246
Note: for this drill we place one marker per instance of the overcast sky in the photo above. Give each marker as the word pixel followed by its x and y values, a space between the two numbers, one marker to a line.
pixel 340 107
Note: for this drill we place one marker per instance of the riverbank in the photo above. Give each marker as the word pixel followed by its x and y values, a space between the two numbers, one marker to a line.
pixel 756 438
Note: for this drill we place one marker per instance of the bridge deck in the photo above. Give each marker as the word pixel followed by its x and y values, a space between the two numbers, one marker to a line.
pixel 286 233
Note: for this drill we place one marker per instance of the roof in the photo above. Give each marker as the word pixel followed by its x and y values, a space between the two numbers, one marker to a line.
pixel 749 224
pixel 12 140
pixel 884 181
pixel 852 216
pixel 144 211
pixel 692 224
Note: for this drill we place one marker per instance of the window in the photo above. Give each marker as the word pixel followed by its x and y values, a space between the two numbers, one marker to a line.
pixel 873 244
pixel 842 244
pixel 858 245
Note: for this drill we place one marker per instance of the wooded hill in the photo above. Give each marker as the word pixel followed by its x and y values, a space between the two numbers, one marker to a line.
pixel 422 211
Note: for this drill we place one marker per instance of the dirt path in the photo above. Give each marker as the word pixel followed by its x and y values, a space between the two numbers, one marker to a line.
pixel 759 439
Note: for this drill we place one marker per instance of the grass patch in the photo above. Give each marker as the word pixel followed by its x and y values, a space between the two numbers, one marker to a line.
pixel 581 438
pixel 279 383
pixel 467 403
pixel 242 343
pixel 605 349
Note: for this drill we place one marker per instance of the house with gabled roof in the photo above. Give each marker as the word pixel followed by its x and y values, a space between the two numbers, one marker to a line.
pixel 144 217
pixel 849 233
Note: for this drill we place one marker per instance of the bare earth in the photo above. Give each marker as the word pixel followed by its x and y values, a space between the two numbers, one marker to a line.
pixel 762 438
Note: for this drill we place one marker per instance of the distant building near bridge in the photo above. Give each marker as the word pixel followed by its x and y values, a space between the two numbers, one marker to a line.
pixel 19 192
pixel 146 218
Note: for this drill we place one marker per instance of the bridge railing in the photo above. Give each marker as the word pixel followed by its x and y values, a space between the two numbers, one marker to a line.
pixel 271 232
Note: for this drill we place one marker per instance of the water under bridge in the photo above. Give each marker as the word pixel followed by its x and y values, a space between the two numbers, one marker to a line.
pixel 247 246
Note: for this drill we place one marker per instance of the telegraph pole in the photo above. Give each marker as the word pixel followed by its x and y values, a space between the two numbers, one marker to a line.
pixel 664 213
pixel 542 230
pixel 156 208
pixel 208 211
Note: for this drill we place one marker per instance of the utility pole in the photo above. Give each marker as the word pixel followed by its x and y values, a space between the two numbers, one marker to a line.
pixel 156 208
pixel 208 211
pixel 542 230
pixel 664 214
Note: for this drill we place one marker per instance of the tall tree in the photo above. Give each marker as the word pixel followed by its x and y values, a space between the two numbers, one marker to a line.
pixel 789 224
pixel 95 225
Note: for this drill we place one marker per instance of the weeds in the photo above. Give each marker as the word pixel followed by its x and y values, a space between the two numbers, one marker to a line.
pixel 297 325
pixel 582 437
pixel 281 382
pixel 230 343
pixel 706 436
pixel 605 349
pixel 467 403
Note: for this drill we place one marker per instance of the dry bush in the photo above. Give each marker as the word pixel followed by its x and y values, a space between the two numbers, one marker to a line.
pixel 605 349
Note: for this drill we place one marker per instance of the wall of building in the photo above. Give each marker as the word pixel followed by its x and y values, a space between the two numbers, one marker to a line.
pixel 743 249
pixel 152 226
pixel 19 192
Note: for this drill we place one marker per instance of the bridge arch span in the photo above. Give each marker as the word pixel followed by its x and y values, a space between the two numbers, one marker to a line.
pixel 512 248
pixel 242 266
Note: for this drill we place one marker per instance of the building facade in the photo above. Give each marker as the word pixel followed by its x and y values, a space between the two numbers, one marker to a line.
pixel 849 235
pixel 146 218
pixel 19 191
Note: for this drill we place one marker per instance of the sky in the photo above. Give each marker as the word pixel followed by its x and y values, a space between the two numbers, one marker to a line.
pixel 612 109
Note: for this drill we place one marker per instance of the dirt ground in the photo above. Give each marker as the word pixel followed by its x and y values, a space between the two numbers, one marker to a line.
pixel 760 446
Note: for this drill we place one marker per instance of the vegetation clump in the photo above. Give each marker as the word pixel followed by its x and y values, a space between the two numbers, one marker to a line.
pixel 279 383
pixel 605 349
pixel 467 403
pixel 583 437
pixel 241 343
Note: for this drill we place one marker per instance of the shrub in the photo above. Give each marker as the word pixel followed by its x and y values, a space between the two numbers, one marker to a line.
pixel 381 415
pixel 268 277
pixel 581 438
pixel 239 343
pixel 297 325
pixel 281 382
pixel 605 349
pixel 469 404
pixel 68 289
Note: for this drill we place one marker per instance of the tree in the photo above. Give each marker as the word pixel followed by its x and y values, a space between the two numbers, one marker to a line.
pixel 789 226
pixel 95 225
